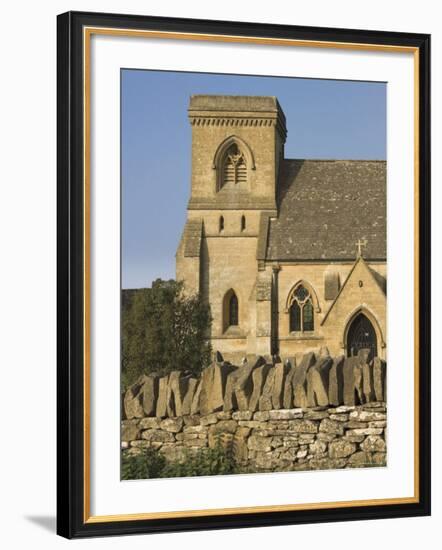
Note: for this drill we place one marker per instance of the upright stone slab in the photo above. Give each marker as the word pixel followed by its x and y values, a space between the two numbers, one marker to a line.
pixel 288 385
pixel 243 392
pixel 170 404
pixel 253 359
pixel 206 384
pixel 150 394
pixel 354 378
pixel 363 382
pixel 259 376
pixel 364 355
pixel 239 386
pixel 336 382
pixel 358 378
pixel 300 380
pixel 367 382
pixel 229 394
pixel 281 370
pixel 133 401
pixel 352 381
pixel 162 397
pixel 176 390
pixel 379 379
pixel 265 401
pixel 317 382
pixel 189 395
pixel 213 385
pixel 221 373
pixel 195 407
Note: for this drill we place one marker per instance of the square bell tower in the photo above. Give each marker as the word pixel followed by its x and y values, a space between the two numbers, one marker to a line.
pixel 237 147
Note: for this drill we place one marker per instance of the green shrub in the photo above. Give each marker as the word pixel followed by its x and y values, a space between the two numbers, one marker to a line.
pixel 152 464
pixel 206 462
pixel 149 464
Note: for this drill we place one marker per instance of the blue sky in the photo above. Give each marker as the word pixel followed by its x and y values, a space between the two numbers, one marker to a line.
pixel 326 119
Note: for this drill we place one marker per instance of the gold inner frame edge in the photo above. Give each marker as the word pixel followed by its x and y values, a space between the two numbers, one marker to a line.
pixel 87 33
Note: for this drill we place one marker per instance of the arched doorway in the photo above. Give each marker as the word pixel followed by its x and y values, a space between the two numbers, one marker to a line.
pixel 361 335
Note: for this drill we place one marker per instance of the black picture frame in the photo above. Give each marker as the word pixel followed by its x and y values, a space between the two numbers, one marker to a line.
pixel 71 519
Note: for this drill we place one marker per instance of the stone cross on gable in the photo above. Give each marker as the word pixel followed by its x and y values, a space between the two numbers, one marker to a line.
pixel 360 244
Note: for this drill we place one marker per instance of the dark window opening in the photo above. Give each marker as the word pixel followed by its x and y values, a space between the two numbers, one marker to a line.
pixel 233 310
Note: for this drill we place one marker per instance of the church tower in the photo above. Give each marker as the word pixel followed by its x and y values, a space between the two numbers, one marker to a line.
pixel 237 151
pixel 237 145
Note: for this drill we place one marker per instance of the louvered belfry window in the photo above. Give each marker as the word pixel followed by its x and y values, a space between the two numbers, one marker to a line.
pixel 235 168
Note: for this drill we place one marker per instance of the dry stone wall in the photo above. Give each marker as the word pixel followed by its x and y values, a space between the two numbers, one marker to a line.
pixel 274 440
pixel 311 380
pixel 307 412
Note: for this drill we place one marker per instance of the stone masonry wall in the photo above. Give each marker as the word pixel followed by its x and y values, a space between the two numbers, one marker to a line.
pixel 275 440
pixel 307 412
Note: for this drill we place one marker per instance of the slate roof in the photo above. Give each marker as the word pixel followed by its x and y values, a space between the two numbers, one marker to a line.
pixel 325 206
pixel 192 238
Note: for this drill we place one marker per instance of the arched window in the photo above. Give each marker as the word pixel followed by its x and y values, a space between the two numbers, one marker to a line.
pixel 243 223
pixel 230 307
pixel 221 223
pixel 233 310
pixel 301 311
pixel 234 170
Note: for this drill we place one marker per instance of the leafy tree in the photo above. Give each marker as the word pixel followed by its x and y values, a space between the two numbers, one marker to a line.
pixel 164 329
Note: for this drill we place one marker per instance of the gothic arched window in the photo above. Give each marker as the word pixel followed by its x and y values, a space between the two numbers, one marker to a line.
pixel 301 311
pixel 233 310
pixel 230 308
pixel 234 169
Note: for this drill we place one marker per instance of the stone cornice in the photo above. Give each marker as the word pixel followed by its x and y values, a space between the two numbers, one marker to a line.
pixel 239 203
pixel 239 120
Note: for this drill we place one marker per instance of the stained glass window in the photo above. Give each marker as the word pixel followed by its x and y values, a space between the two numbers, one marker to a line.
pixel 295 317
pixel 301 311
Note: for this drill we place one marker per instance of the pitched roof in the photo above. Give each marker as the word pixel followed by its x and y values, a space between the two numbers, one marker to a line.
pixel 325 207
pixel 192 238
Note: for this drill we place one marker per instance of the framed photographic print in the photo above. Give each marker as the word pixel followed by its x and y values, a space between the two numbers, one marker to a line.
pixel 243 274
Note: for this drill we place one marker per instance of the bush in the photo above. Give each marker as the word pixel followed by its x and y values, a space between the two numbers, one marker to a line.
pixel 163 330
pixel 206 462
pixel 143 466
pixel 152 464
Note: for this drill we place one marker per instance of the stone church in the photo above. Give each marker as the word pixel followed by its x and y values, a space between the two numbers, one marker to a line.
pixel 289 254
